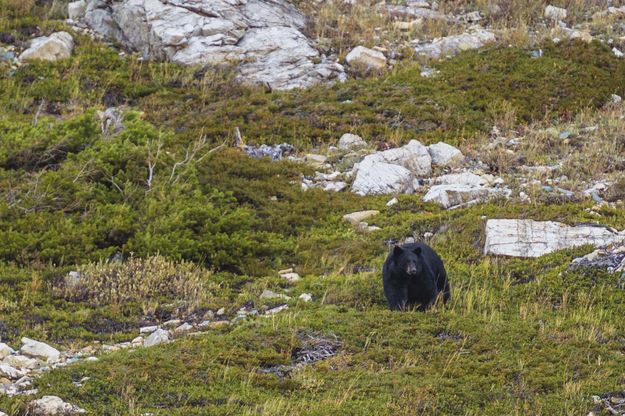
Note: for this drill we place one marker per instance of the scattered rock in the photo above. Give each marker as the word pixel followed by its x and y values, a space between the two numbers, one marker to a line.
pixel 464 178
pixel 274 152
pixel 617 52
pixel 53 406
pixel 357 217
pixel 392 202
pixel 277 309
pixel 22 362
pixel 57 46
pixel 351 141
pixel 529 238
pixel 365 57
pixel 452 45
pixel 610 259
pixel 36 349
pixel 186 327
pixel 399 11
pixel 555 13
pixel 268 294
pixel 444 155
pixel 10 372
pixel 265 36
pixel 148 329
pixel 305 297
pixel 160 336
pixel 5 351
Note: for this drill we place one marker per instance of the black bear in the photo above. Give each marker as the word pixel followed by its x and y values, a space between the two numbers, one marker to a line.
pixel 413 275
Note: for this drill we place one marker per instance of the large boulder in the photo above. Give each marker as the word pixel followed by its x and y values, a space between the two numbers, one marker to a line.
pixel 265 37
pixel 378 178
pixel 414 156
pixel 529 238
pixel 57 46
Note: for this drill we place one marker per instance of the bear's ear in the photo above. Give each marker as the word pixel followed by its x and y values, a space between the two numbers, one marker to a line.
pixel 417 251
pixel 397 251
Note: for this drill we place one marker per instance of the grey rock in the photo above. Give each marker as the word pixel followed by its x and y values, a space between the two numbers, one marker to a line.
pixel 76 9
pixel 53 406
pixel 351 141
pixel 452 45
pixel 36 349
pixel 160 336
pixel 357 217
pixel 444 155
pixel 555 13
pixel 57 46
pixel 5 351
pixel 529 238
pixel 449 196
pixel 366 57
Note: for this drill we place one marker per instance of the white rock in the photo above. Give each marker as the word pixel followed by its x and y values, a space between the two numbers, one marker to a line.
pixel 53 406
pixel 277 309
pixel 529 238
pixel 186 327
pixel 305 297
pixel 555 13
pixel 445 155
pixel 374 178
pixel 22 362
pixel 465 178
pixel 36 349
pixel 449 196
pixel 172 323
pixel 5 351
pixel 160 336
pixel 392 202
pixel 3 414
pixel 148 329
pixel 366 57
pixel 76 9
pixel 269 294
pixel 137 341
pixel 414 156
pixel 57 46
pixel 334 186
pixel 452 45
pixel 291 277
pixel 11 373
pixel 355 218
pixel 617 53
pixel 351 141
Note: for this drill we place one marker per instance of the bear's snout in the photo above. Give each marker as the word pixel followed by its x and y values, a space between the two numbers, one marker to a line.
pixel 411 269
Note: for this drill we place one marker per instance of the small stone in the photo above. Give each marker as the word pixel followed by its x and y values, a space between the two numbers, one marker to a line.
pixel 351 141
pixel 268 294
pixel 5 351
pixel 356 218
pixel 160 336
pixel 277 309
pixel 10 372
pixel 221 311
pixel 366 57
pixel 219 324
pixel 148 329
pixel 306 297
pixel 172 323
pixel 617 52
pixel 186 327
pixel 137 341
pixel 316 159
pixel 291 277
pixel 392 202
pixel 555 13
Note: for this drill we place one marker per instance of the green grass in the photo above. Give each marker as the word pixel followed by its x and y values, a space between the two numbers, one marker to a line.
pixel 519 336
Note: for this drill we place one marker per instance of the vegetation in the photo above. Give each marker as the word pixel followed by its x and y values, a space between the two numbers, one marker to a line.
pixel 206 227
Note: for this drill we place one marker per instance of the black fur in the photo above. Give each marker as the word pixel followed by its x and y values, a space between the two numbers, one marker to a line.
pixel 413 276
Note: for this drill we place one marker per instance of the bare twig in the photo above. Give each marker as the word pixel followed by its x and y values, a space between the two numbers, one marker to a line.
pixel 41 104
pixel 152 159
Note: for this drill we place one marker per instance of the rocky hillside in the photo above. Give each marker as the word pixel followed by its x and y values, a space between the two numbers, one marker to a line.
pixel 197 197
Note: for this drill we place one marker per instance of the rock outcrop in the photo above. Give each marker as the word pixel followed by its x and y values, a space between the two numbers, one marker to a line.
pixel 452 45
pixel 265 37
pixel 529 238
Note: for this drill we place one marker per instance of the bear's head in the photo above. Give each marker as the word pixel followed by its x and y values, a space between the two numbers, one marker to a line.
pixel 408 260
